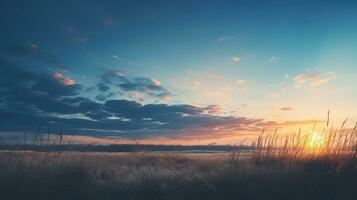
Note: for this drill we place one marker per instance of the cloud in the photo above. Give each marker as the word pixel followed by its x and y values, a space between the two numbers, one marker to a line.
pixel 110 76
pixel 27 91
pixel 241 81
pixel 165 96
pixel 214 109
pixel 226 38
pixel 123 108
pixel 62 79
pixel 133 120
pixel 136 95
pixel 80 40
pixel 105 96
pixel 272 59
pixel 288 123
pixel 120 80
pixel 319 82
pixel 102 87
pixel 236 58
pixel 116 56
pixel 302 78
pixel 88 106
pixel 313 80
pixel 98 115
pixel 30 99
pixel 331 72
pixel 285 108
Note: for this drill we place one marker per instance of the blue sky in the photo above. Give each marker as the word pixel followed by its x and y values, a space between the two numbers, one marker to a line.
pixel 273 61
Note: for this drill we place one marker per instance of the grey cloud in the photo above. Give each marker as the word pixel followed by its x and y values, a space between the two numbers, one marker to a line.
pixel 123 108
pixel 31 90
pixel 102 87
pixel 29 99
pixel 105 96
pixel 119 79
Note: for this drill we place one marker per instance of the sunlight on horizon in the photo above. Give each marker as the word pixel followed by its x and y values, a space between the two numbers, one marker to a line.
pixel 315 142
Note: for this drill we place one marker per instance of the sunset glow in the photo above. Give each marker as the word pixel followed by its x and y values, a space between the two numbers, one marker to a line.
pixel 315 142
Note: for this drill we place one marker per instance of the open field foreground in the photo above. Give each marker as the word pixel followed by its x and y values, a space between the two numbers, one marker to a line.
pixel 71 175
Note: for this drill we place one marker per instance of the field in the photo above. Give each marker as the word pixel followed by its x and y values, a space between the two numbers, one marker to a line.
pixel 317 165
pixel 74 175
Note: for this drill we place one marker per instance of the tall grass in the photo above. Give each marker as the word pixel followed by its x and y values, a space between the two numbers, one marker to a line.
pixel 133 176
pixel 320 164
pixel 328 143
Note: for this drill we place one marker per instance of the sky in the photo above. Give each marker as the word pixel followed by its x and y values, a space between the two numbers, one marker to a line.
pixel 175 72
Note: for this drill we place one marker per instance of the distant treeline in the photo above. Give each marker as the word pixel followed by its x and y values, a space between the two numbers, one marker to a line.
pixel 125 148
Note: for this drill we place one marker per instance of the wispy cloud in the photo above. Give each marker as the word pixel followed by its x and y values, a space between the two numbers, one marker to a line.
pixel 241 81
pixel 214 109
pixel 286 108
pixel 311 79
pixel 80 40
pixel 301 79
pixel 289 123
pixel 136 95
pixel 116 56
pixel 319 82
pixel 64 80
pixel 236 58
pixel 225 38
pixel 272 59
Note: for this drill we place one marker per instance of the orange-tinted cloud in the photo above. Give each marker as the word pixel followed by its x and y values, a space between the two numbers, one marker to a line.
pixel 314 80
pixel 155 82
pixel 64 80
pixel 288 123
pixel 319 82
pixel 286 108
pixel 214 109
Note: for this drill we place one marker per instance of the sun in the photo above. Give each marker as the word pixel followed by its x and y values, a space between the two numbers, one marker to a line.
pixel 315 141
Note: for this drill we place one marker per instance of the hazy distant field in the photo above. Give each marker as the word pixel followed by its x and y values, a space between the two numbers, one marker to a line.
pixel 72 175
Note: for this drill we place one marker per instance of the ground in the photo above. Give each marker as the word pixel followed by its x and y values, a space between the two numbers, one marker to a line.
pixel 145 175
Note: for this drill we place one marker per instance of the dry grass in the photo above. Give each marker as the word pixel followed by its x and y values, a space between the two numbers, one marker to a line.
pixel 300 166
pixel 71 175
